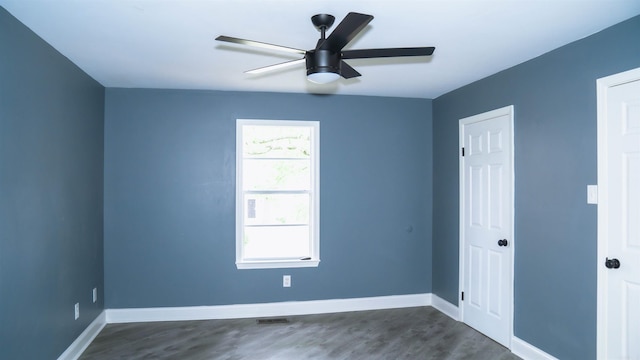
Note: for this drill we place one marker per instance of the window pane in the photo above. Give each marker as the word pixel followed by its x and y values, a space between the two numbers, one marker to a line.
pixel 274 209
pixel 262 174
pixel 276 141
pixel 276 242
pixel 277 193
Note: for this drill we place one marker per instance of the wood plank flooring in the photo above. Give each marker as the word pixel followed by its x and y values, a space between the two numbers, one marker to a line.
pixel 410 333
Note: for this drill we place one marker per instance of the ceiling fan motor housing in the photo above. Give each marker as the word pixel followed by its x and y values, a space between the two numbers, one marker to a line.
pixel 321 61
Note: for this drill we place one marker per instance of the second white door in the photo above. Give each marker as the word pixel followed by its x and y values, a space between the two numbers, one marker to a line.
pixel 486 223
pixel 619 216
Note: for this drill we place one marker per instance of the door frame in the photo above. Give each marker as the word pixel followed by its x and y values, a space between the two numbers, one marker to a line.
pixel 603 85
pixel 509 111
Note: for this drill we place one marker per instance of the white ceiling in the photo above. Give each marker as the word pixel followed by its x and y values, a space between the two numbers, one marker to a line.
pixel 170 43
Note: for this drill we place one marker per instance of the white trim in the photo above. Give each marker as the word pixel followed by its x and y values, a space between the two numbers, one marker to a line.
pixel 507 110
pixel 115 316
pixel 603 85
pixel 314 192
pixel 278 264
pixel 77 347
pixel 267 309
pixel 527 351
pixel 445 307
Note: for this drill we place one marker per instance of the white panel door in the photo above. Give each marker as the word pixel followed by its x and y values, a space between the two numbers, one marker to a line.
pixel 486 194
pixel 619 217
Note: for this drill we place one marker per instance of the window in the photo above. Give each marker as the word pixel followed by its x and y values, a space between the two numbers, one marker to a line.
pixel 277 194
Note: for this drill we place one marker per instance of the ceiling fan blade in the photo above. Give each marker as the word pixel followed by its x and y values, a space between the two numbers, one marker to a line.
pixel 347 72
pixel 352 24
pixel 260 44
pixel 275 67
pixel 388 52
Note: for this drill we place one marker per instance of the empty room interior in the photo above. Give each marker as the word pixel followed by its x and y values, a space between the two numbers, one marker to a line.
pixel 125 167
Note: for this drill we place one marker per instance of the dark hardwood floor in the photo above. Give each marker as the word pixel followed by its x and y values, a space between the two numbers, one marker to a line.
pixel 410 333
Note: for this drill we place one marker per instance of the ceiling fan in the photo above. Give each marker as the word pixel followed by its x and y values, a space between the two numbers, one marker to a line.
pixel 325 63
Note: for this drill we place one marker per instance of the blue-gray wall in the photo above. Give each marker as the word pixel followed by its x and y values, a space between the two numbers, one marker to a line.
pixel 170 211
pixel 51 183
pixel 555 158
pixel 169 193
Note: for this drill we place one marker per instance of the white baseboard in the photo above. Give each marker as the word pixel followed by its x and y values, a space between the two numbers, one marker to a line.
pixel 289 308
pixel 445 307
pixel 527 351
pixel 76 348
pixel 518 347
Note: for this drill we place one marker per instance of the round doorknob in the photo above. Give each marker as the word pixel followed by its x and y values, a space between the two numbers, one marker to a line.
pixel 502 242
pixel 612 263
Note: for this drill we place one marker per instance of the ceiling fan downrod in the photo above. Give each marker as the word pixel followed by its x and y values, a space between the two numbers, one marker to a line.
pixel 322 22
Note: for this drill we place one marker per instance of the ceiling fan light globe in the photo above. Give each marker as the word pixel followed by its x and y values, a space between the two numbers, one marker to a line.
pixel 323 77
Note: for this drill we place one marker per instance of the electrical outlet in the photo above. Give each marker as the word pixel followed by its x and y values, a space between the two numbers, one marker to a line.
pixel 94 294
pixel 76 311
pixel 286 280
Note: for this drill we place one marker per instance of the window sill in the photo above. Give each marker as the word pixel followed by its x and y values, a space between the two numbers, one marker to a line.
pixel 278 264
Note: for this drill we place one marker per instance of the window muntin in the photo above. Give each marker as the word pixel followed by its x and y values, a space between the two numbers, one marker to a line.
pixel 277 196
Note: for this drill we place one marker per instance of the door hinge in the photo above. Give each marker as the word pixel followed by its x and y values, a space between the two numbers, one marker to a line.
pixel 462 296
pixel 463 151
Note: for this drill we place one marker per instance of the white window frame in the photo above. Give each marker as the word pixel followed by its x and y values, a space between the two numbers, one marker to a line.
pixel 314 221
